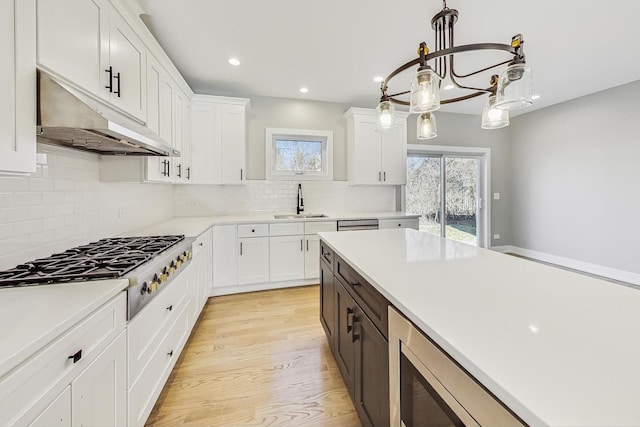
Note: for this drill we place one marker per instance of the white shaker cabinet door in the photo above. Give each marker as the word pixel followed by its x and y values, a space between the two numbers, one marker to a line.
pixel 394 155
pixel 312 257
pixel 366 152
pixel 73 42
pixel 225 256
pixel 18 86
pixel 253 260
pixel 287 258
pixel 99 393
pixel 127 57
pixel 232 154
pixel 57 414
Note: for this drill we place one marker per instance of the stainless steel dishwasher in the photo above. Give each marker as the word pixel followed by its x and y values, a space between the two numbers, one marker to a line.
pixel 357 224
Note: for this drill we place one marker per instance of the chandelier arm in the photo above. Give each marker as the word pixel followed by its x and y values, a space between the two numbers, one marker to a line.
pixel 450 100
pixel 468 48
pixel 462 76
pixel 399 93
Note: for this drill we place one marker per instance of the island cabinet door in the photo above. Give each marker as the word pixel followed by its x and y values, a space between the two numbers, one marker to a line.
pixel 371 372
pixel 344 347
pixel 328 303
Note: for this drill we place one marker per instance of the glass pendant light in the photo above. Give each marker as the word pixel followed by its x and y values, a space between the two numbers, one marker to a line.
pixel 386 116
pixel 492 117
pixel 514 88
pixel 426 126
pixel 425 91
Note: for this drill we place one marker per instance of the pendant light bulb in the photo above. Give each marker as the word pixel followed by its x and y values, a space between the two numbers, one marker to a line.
pixel 426 126
pixel 425 91
pixel 386 116
pixel 492 117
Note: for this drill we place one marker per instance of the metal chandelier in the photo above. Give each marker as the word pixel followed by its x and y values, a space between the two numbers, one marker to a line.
pixel 511 90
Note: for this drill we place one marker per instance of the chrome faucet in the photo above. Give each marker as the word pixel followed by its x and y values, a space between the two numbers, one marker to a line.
pixel 300 206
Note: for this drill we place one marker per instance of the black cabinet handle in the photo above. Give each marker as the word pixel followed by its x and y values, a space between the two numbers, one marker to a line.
pixel 110 71
pixel 170 354
pixel 307 245
pixel 76 357
pixel 180 170
pixel 379 176
pixel 241 248
pixel 349 319
pixel 170 308
pixel 240 174
pixel 301 245
pixel 355 336
pixel 168 167
pixel 188 173
pixel 384 176
pixel 117 77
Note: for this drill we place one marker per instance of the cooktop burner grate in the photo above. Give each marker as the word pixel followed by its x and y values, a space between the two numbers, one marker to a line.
pixel 104 259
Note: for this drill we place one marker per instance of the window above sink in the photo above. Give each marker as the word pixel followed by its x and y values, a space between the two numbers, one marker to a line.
pixel 299 154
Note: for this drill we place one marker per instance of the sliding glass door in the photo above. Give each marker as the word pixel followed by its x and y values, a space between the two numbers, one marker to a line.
pixel 444 190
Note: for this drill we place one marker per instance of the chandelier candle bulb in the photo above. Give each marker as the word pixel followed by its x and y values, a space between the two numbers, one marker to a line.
pixel 514 88
pixel 425 92
pixel 386 116
pixel 492 117
pixel 426 126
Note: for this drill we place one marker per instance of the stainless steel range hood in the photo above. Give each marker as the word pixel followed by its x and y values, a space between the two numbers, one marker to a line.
pixel 70 118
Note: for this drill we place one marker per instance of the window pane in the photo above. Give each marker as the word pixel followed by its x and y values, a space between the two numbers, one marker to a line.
pixel 423 192
pixel 461 184
pixel 298 156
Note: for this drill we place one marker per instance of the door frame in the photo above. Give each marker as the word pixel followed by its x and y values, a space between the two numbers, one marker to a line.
pixel 484 159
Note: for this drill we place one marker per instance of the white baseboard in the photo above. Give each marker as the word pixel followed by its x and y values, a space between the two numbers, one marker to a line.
pixel 240 289
pixel 599 270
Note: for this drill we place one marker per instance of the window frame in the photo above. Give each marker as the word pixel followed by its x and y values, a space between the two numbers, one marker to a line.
pixel 324 136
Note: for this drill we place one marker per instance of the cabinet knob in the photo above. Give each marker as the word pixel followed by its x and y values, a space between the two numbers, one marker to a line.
pixel 170 354
pixel 170 307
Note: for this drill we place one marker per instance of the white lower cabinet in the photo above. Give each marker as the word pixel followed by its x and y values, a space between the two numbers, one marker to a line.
pixel 253 260
pixel 58 413
pixel 225 256
pixel 98 395
pixel 286 258
pixel 312 257
pixel 53 387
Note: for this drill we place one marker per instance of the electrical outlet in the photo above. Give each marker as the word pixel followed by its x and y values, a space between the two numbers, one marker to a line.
pixel 496 237
pixel 496 196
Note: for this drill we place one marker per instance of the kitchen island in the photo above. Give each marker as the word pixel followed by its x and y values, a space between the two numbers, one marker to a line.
pixel 555 347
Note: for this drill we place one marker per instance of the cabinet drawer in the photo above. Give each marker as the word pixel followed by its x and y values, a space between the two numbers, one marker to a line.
pixel 373 304
pixel 202 243
pixel 253 230
pixel 326 253
pixel 319 226
pixel 399 223
pixel 53 367
pixel 286 229
pixel 144 392
pixel 147 329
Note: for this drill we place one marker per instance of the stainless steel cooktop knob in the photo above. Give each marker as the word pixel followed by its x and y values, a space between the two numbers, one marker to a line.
pixel 144 288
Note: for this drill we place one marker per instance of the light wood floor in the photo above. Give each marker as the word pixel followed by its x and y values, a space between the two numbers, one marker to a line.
pixel 257 359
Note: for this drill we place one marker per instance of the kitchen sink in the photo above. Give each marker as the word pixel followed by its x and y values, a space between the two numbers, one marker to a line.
pixel 299 216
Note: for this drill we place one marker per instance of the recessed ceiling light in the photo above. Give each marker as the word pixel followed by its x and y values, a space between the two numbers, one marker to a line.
pixel 304 90
pixel 234 61
pixel 535 97
pixel 378 79
pixel 448 87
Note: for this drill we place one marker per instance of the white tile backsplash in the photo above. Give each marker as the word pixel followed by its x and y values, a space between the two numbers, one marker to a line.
pixel 64 204
pixel 280 196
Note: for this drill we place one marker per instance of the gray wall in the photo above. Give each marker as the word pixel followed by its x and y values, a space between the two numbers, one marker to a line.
pixel 576 170
pixel 464 130
pixel 294 114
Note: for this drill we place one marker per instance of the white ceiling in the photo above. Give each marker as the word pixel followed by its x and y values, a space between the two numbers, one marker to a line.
pixel 336 47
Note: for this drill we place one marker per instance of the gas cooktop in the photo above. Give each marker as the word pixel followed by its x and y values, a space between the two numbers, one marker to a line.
pixel 105 259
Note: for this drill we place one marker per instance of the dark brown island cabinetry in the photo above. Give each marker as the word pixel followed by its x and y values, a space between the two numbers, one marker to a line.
pixel 354 317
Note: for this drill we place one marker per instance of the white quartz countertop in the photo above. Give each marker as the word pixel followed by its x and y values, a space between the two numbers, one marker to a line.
pixel 558 348
pixel 194 226
pixel 32 316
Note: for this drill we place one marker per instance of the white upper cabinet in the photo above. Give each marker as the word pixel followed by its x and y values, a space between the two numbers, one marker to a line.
pixel 18 86
pixel 218 140
pixel 375 158
pixel 89 45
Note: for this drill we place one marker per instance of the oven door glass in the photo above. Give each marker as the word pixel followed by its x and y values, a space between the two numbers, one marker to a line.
pixel 420 405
